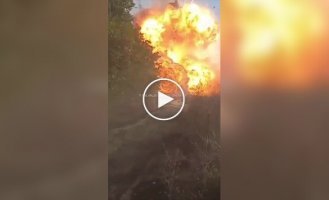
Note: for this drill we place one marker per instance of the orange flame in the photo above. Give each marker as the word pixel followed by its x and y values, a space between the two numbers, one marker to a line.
pixel 180 36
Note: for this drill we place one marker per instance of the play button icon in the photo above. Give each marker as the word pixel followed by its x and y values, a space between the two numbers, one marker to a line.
pixel 163 99
pixel 162 104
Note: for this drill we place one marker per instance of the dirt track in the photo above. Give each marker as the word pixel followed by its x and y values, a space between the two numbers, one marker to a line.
pixel 144 153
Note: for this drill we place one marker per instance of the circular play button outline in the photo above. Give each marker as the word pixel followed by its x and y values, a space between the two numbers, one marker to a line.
pixel 183 97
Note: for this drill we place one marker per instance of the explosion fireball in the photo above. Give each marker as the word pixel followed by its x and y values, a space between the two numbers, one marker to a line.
pixel 182 37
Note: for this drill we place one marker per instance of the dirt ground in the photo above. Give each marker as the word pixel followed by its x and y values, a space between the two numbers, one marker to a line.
pixel 177 159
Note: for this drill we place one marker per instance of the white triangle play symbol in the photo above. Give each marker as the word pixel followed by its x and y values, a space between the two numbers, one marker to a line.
pixel 163 99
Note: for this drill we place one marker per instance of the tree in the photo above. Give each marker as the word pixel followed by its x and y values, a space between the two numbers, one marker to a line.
pixel 127 52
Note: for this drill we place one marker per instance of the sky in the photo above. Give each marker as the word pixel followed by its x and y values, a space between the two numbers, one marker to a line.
pixel 211 4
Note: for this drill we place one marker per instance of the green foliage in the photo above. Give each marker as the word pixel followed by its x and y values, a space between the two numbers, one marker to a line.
pixel 120 9
pixel 128 55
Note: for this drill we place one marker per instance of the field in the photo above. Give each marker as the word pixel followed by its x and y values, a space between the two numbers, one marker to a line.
pixel 177 159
